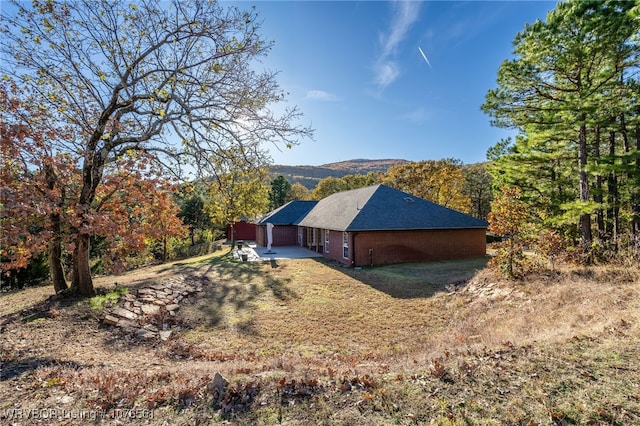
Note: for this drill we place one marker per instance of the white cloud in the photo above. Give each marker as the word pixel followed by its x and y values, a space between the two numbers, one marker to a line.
pixel 405 14
pixel 386 73
pixel 321 95
pixel 419 115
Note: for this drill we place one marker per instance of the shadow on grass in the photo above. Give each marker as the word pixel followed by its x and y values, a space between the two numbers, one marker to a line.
pixel 418 280
pixel 17 367
pixel 231 288
pixel 40 310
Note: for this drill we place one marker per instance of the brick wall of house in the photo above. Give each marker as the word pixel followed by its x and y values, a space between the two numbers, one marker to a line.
pixel 335 247
pixel 387 247
pixel 283 235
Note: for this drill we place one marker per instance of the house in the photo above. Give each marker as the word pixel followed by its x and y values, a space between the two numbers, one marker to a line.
pixel 285 219
pixel 380 225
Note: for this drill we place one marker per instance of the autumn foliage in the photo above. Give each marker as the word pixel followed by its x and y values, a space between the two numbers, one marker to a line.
pixel 133 208
pixel 508 219
pixel 440 181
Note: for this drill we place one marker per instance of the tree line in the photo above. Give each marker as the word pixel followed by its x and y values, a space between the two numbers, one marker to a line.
pixel 448 182
pixel 572 93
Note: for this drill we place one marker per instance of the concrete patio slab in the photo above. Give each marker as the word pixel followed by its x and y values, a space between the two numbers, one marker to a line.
pixel 257 253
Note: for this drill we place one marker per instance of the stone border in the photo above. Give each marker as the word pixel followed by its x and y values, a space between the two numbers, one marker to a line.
pixel 144 312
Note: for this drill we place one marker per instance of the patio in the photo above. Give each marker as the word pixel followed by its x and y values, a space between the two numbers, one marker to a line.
pixel 257 253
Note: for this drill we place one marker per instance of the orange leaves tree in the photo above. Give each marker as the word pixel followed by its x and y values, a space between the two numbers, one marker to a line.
pixel 331 185
pixel 133 207
pixel 508 219
pixel 35 182
pixel 172 80
pixel 440 181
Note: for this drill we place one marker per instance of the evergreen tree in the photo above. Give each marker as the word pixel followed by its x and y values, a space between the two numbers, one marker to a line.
pixel 570 84
pixel 280 192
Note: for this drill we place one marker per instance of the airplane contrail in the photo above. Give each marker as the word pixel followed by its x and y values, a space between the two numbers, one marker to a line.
pixel 425 57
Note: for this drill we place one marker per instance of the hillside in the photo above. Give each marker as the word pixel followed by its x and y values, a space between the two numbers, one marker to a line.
pixel 305 342
pixel 309 176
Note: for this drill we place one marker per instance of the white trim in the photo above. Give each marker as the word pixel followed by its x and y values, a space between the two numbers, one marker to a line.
pixel 345 245
pixel 326 240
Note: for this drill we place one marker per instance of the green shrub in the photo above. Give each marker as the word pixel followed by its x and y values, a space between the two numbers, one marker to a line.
pixel 98 303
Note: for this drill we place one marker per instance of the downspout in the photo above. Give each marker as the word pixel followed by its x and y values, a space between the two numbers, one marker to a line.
pixel 353 249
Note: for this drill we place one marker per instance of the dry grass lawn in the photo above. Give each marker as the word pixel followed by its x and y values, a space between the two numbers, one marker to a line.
pixel 310 342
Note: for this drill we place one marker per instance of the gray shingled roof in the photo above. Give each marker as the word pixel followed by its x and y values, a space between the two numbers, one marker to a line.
pixel 379 207
pixel 288 214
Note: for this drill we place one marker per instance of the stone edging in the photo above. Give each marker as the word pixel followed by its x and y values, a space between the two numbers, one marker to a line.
pixel 148 311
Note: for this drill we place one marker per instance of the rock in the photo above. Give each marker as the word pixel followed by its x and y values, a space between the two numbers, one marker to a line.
pixel 161 294
pixel 145 334
pixel 218 383
pixel 150 309
pixel 172 307
pixel 124 323
pixel 165 334
pixel 66 399
pixel 124 313
pixel 110 319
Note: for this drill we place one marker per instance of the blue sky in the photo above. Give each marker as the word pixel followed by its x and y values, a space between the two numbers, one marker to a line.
pixel 356 71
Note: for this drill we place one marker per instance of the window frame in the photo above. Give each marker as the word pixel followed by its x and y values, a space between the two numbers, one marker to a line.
pixel 326 240
pixel 345 245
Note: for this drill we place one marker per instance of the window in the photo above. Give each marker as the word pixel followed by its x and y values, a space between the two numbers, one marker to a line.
pixel 345 245
pixel 326 241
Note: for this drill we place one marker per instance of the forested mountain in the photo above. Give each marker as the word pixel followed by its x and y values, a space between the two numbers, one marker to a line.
pixel 309 176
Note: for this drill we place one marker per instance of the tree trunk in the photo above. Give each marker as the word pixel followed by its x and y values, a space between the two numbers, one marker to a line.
pixel 56 271
pixel 91 177
pixel 613 197
pixel 598 194
pixel 54 249
pixel 82 282
pixel 585 218
pixel 635 195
